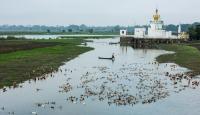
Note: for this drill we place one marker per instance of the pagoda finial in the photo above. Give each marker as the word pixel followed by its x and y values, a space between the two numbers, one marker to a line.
pixel 156 17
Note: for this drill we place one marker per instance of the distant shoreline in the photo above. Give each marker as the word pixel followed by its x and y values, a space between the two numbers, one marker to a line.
pixel 47 36
pixel 57 33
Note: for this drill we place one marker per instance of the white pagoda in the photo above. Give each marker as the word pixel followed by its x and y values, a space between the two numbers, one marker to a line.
pixel 156 28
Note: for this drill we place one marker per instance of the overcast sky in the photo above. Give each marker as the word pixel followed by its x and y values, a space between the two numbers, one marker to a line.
pixel 97 12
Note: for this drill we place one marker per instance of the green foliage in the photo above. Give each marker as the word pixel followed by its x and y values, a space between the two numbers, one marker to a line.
pixel 23 64
pixel 194 32
pixel 172 27
pixel 186 55
pixel 12 38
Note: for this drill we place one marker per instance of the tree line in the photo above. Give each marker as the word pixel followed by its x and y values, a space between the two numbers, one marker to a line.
pixel 194 31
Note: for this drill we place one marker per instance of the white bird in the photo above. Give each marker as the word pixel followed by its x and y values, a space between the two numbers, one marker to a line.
pixel 43 105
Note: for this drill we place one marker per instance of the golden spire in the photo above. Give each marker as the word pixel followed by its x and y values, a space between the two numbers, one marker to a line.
pixel 156 17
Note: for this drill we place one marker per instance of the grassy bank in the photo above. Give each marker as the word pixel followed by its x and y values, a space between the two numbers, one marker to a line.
pixel 186 55
pixel 57 33
pixel 21 60
pixel 79 36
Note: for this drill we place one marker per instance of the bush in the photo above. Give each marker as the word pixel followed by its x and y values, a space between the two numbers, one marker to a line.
pixel 194 32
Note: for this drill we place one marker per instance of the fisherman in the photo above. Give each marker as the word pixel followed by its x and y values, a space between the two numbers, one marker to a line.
pixel 113 56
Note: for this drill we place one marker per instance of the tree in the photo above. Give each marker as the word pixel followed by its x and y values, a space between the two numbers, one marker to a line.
pixel 70 30
pixel 198 31
pixel 63 31
pixel 83 27
pixel 171 27
pixel 194 32
pixel 48 31
pixel 91 30
pixel 117 28
pixel 75 28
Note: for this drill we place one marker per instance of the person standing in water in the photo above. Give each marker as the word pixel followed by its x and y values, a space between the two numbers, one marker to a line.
pixel 113 56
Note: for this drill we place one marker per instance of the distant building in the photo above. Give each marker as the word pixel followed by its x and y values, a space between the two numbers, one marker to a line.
pixel 155 29
pixel 140 32
pixel 123 32
pixel 179 29
pixel 183 35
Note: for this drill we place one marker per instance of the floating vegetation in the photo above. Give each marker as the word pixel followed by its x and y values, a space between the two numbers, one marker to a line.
pixel 129 85
pixel 49 105
pixel 65 88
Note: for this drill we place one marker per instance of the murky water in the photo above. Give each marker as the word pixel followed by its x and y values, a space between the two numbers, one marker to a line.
pixel 134 83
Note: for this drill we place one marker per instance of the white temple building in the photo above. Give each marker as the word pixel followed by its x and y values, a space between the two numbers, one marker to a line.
pixel 155 30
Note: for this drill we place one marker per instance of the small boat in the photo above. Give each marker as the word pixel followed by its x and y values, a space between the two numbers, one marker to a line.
pixel 113 43
pixel 106 58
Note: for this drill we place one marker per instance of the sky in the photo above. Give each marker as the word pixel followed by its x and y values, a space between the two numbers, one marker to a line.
pixel 97 12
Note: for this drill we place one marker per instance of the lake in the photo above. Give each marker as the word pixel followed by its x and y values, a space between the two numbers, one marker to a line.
pixel 132 84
